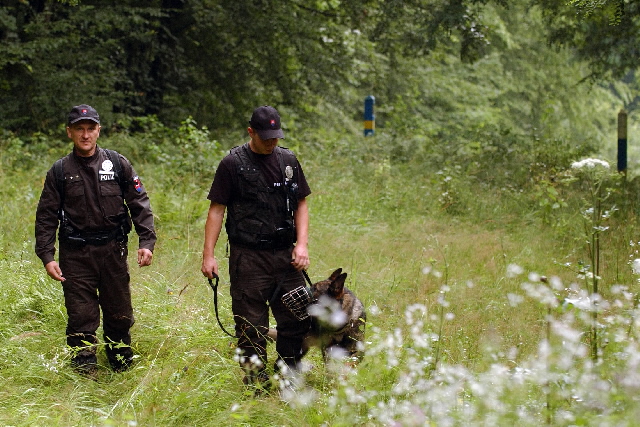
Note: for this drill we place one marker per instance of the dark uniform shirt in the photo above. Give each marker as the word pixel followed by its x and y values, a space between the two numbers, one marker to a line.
pixel 93 202
pixel 225 181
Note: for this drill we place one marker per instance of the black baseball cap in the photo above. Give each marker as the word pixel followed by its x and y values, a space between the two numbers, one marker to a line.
pixel 266 121
pixel 83 112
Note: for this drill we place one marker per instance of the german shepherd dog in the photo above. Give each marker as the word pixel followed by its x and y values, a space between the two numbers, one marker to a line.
pixel 338 320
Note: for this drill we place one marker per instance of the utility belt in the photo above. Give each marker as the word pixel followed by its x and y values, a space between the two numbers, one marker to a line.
pixel 94 238
pixel 265 244
pixel 283 238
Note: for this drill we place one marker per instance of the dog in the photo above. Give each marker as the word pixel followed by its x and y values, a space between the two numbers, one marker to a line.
pixel 338 320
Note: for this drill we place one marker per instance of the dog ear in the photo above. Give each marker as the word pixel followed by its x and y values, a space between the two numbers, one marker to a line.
pixel 335 274
pixel 336 288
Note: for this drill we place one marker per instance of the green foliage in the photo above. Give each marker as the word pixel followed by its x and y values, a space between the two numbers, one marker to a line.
pixel 614 9
pixel 435 218
pixel 175 59
pixel 604 33
pixel 435 279
pixel 188 150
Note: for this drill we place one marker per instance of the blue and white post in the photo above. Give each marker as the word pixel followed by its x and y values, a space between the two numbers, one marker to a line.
pixel 369 117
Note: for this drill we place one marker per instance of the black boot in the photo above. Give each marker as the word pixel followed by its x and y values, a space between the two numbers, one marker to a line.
pixel 85 363
pixel 120 356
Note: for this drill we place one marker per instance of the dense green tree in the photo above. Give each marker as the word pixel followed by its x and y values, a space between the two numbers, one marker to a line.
pixel 114 56
pixel 173 58
pixel 522 109
pixel 214 58
pixel 605 32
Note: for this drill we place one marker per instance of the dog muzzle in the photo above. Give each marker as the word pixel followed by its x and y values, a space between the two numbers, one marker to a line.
pixel 297 301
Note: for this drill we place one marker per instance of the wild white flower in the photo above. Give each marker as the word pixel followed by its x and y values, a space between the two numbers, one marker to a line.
pixel 338 353
pixel 590 164
pixel 556 283
pixel 514 270
pixel 587 275
pixel 581 302
pixel 635 266
pixel 566 332
pixel 255 361
pixel 442 301
pixel 49 365
pixel 541 293
pixel 514 299
pixel 328 311
pixel 419 309
pixel 338 318
pixel 374 309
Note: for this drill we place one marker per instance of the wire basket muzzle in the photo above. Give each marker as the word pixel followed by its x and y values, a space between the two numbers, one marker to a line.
pixel 297 301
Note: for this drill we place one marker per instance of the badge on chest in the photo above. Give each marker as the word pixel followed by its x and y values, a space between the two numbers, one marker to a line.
pixel 106 173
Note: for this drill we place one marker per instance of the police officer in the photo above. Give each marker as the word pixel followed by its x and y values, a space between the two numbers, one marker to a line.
pixel 263 189
pixel 84 198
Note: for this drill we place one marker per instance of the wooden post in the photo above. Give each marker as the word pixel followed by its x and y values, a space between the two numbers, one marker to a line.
pixel 622 141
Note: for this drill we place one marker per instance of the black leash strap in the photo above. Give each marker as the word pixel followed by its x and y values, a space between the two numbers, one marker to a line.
pixel 215 302
pixel 215 297
pixel 306 276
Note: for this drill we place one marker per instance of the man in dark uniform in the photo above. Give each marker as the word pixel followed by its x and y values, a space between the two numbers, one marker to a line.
pixel 263 189
pixel 84 199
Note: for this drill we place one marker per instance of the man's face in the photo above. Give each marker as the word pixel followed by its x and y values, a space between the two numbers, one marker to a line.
pixel 259 145
pixel 84 135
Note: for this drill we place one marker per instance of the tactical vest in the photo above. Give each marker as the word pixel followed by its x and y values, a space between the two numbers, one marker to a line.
pixel 68 233
pixel 260 216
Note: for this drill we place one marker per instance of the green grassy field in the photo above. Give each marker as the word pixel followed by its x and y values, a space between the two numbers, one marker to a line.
pixel 473 299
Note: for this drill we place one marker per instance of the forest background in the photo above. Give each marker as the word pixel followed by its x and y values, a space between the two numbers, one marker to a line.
pixel 499 273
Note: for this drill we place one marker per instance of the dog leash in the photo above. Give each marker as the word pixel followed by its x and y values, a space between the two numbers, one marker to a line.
pixel 306 276
pixel 215 297
pixel 215 302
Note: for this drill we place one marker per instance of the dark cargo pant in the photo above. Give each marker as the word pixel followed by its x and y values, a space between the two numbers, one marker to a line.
pixel 97 277
pixel 259 278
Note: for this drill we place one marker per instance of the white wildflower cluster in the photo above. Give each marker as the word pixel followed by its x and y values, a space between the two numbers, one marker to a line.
pixel 293 388
pixel 590 164
pixel 514 270
pixel 412 388
pixel 542 293
pixel 51 365
pixel 329 312
pixel 252 363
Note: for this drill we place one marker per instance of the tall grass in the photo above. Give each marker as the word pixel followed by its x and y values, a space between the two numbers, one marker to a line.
pixel 476 310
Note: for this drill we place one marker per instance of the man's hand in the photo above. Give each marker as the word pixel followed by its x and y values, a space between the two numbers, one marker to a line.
pixel 212 228
pixel 145 256
pixel 53 270
pixel 209 266
pixel 300 257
